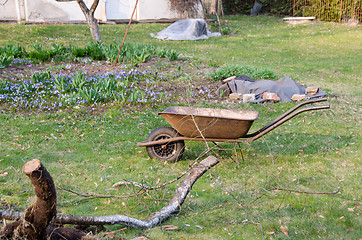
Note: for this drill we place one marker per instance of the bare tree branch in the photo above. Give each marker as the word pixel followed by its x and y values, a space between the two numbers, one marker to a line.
pixel 173 206
pixel 83 7
pixel 157 218
pixel 11 215
pixel 93 7
pixel 299 191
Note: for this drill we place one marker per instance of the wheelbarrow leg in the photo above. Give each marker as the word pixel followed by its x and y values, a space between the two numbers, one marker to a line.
pixel 242 155
pixel 223 150
pixel 236 153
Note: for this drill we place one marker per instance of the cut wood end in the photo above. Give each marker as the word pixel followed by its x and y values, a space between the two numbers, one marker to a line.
pixel 229 79
pixel 31 166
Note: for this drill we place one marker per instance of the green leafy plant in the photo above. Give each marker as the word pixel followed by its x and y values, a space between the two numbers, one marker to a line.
pixel 27 87
pixel 40 76
pixel 107 86
pixel 37 46
pixel 77 51
pixel 78 81
pixel 143 56
pixel 13 50
pixel 61 53
pixel 5 86
pixel 110 52
pixel 132 97
pixel 213 63
pixel 161 52
pixel 61 82
pixel 61 48
pixel 90 95
pixel 172 55
pixel 42 56
pixel 5 60
pixel 236 70
pixel 134 53
pixel 225 30
pixel 95 50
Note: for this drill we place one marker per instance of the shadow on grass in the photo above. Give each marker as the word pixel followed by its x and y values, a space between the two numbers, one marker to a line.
pixel 288 143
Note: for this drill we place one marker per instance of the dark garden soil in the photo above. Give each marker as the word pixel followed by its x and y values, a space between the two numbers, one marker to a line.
pixel 192 86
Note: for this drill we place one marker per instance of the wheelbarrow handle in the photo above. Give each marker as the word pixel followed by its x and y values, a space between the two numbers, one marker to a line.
pixel 286 116
pixel 314 100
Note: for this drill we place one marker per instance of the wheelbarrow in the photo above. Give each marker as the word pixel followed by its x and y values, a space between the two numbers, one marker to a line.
pixel 210 124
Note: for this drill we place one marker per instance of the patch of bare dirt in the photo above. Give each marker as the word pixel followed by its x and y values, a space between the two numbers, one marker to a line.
pixel 190 87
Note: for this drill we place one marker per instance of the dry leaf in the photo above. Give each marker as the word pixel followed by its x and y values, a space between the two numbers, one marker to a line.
pixel 284 230
pixel 270 233
pixel 170 227
pixel 141 238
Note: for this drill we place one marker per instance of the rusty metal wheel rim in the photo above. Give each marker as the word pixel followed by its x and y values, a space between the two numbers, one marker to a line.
pixel 164 150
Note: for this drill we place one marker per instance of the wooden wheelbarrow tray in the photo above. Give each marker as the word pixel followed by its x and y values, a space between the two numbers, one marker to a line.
pixel 210 124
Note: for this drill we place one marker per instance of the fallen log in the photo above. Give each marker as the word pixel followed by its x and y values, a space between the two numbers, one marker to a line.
pixel 173 206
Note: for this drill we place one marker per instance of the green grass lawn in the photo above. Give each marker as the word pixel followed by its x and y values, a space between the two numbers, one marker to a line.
pixel 88 152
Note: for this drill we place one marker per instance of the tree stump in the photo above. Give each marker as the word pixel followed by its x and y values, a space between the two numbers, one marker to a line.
pixel 34 225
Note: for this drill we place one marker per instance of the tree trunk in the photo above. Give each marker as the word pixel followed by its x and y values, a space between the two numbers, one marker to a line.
pixel 91 20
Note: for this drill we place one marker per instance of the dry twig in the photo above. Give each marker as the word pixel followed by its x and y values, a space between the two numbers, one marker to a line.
pixel 299 191
pixel 173 206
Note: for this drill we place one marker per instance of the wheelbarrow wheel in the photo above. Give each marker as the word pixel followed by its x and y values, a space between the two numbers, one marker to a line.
pixel 169 151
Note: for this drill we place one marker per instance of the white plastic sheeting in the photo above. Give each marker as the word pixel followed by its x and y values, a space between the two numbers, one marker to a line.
pixel 186 29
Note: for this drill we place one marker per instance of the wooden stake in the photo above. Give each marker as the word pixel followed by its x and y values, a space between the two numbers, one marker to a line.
pixel 124 37
pixel 222 13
